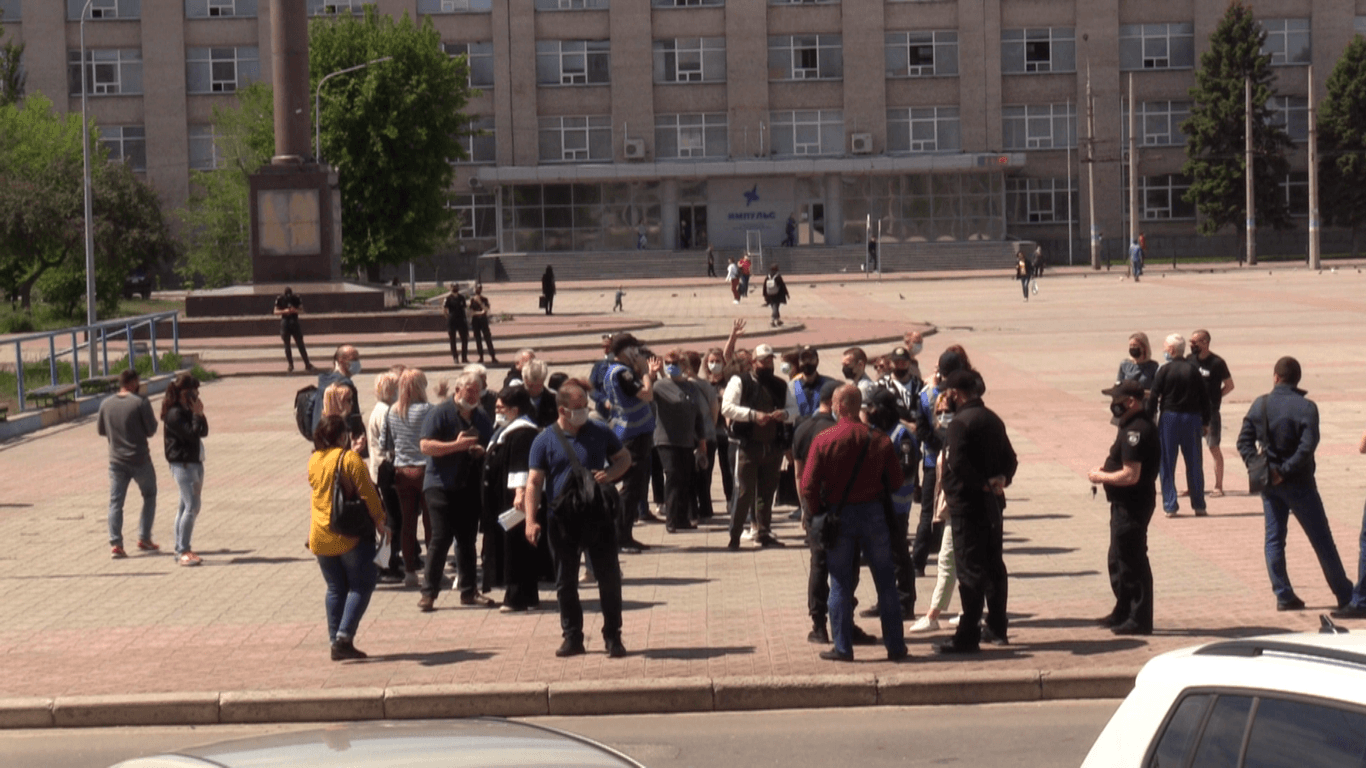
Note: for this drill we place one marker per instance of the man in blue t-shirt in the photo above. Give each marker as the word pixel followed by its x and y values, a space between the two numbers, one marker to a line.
pixel 598 450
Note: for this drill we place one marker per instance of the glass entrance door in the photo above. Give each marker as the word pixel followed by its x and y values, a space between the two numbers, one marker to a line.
pixel 692 225
pixel 811 226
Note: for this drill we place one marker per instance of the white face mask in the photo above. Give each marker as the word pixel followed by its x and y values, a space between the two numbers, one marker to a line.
pixel 578 417
pixel 353 368
pixel 501 420
pixel 714 366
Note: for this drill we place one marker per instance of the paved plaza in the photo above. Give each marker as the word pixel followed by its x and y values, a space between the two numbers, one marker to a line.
pixel 74 622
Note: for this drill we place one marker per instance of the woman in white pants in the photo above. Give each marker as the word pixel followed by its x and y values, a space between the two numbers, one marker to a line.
pixel 946 574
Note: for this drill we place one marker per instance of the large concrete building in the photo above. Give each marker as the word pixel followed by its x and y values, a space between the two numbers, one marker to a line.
pixel 688 122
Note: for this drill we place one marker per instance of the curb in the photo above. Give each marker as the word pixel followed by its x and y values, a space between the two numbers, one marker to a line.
pixel 588 697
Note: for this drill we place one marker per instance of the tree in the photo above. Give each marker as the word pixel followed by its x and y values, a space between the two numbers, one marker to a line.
pixel 391 130
pixel 1342 143
pixel 217 220
pixel 42 211
pixel 1216 130
pixel 11 72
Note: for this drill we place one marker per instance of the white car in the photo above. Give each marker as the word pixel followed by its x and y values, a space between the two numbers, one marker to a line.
pixel 1295 700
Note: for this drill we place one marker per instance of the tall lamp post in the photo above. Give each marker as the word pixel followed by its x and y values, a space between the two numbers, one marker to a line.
pixel 89 229
pixel 318 103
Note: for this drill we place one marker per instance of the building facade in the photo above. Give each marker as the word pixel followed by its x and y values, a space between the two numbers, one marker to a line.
pixel 617 124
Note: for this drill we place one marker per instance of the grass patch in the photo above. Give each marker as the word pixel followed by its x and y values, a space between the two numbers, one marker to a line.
pixel 39 374
pixel 43 317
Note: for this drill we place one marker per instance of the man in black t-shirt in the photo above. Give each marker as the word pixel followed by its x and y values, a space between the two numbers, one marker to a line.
pixel 453 307
pixel 1218 383
pixel 287 307
pixel 1129 474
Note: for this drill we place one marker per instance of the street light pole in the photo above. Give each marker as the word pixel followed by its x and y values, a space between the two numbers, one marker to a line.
pixel 89 230
pixel 318 104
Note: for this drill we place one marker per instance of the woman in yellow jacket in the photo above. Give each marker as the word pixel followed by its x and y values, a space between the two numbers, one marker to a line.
pixel 347 562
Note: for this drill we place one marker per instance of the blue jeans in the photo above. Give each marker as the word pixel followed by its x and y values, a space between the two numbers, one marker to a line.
pixel 1181 431
pixel 350 578
pixel 190 478
pixel 1278 501
pixel 119 477
pixel 864 527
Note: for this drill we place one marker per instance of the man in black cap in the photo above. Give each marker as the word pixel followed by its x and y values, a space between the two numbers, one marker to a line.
pixel 1129 476
pixel 979 463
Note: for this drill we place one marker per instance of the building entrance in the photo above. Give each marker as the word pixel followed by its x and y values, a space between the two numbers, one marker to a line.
pixel 692 225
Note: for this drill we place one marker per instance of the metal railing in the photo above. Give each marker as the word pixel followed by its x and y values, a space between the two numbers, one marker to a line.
pixel 97 338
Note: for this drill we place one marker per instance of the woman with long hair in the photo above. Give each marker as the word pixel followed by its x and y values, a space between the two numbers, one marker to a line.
pixel 347 562
pixel 186 429
pixel 1139 365
pixel 337 402
pixel 403 431
pixel 381 463
pixel 947 572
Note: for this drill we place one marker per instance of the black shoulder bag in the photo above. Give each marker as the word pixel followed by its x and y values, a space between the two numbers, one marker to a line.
pixel 825 525
pixel 350 516
pixel 385 474
pixel 582 500
pixel 1259 466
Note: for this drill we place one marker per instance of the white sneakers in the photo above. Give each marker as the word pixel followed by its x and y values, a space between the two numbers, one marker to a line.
pixel 923 624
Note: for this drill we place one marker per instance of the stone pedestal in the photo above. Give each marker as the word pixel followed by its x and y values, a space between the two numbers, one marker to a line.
pixel 295 224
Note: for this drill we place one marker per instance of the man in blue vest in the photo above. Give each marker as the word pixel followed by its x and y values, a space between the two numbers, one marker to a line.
pixel 629 383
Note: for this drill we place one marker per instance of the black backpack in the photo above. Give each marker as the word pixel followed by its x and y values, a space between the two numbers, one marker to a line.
pixel 583 502
pixel 304 403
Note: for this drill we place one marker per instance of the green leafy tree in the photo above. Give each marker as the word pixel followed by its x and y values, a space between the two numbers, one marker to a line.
pixel 1215 147
pixel 390 129
pixel 217 220
pixel 11 71
pixel 1342 143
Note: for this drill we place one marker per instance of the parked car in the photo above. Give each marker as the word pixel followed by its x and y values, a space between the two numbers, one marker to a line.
pixel 401 744
pixel 139 281
pixel 1292 701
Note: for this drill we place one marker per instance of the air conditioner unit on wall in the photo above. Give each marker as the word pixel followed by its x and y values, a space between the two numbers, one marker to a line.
pixel 634 149
pixel 861 143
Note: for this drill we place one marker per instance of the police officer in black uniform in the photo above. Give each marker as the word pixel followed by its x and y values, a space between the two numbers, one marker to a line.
pixel 457 326
pixel 1129 476
pixel 288 305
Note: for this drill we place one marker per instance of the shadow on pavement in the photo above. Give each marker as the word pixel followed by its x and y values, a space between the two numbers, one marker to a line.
pixel 266 560
pixel 1226 633
pixel 591 604
pixel 435 659
pixel 120 575
pixel 663 581
pixel 1041 516
pixel 1050 574
pixel 1039 550
pixel 1088 647
pixel 1053 623
pixel 695 653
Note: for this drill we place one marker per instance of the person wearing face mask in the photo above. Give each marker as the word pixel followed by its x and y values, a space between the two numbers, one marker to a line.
pixel 680 439
pixel 903 383
pixel 946 572
pixel 1218 383
pixel 595 448
pixel 915 343
pixel 630 381
pixel 1128 475
pixel 1139 365
pixel 979 463
pixel 709 402
pixel 854 368
pixel 454 435
pixel 807 383
pixel 758 407
pixel 345 367
pixel 504 486
pixel 881 415
pixel 1179 393
pixel 928 534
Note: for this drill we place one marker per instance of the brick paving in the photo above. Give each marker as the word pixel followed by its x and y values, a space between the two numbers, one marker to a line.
pixel 75 622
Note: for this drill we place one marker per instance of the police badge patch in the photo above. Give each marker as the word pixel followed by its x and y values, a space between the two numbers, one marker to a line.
pixel 1132 437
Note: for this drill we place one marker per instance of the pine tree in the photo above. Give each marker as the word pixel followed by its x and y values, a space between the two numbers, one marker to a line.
pixel 1342 142
pixel 1216 129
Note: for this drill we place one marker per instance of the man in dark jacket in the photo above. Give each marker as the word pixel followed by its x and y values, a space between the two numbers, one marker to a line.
pixel 775 294
pixel 979 463
pixel 1179 391
pixel 1286 424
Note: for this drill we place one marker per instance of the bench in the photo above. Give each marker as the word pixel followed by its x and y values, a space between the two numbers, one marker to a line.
pixel 96 385
pixel 52 394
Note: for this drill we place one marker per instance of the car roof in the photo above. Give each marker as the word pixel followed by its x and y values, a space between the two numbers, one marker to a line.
pixel 412 744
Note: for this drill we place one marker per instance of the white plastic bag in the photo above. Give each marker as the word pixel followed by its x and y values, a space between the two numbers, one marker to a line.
pixel 1035 288
pixel 383 551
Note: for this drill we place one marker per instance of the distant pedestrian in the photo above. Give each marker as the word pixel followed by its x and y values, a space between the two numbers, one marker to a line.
pixel 616 304
pixel 547 291
pixel 1036 265
pixel 733 275
pixel 186 429
pixel 746 266
pixel 641 242
pixel 1139 365
pixel 126 419
pixel 790 232
pixel 1129 475
pixel 1179 392
pixel 1136 260
pixel 479 322
pixel 775 295
pixel 711 261
pixel 347 562
pixel 872 253
pixel 1218 383
pixel 684 235
pixel 979 463
pixel 287 308
pixel 453 307
pixel 1285 424
pixel 1022 272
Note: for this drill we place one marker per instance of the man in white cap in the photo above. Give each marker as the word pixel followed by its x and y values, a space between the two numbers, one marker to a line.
pixel 757 405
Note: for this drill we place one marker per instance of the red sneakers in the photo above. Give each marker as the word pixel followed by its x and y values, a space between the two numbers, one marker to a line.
pixel 147 546
pixel 116 552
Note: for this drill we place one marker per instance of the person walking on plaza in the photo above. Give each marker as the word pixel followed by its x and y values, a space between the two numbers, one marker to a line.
pixel 1356 609
pixel 680 439
pixel 576 444
pixel 850 469
pixel 775 295
pixel 547 290
pixel 402 433
pixel 479 322
pixel 186 428
pixel 126 419
pixel 1285 424
pixel 454 435
pixel 1129 475
pixel 347 562
pixel 711 261
pixel 616 302
pixel 733 276
pixel 630 384
pixel 745 266
pixel 1022 273
pixel 757 405
pixel 1136 260
pixel 979 463
pixel 1139 365
pixel 453 307
pixel 1218 383
pixel 287 308
pixel 1180 394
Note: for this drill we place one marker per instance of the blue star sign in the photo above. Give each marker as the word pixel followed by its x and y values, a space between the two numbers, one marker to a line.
pixel 752 196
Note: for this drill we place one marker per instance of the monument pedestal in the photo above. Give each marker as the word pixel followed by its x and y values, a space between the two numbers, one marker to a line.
pixel 295 224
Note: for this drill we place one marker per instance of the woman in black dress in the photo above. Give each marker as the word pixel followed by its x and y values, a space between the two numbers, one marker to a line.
pixel 508 558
